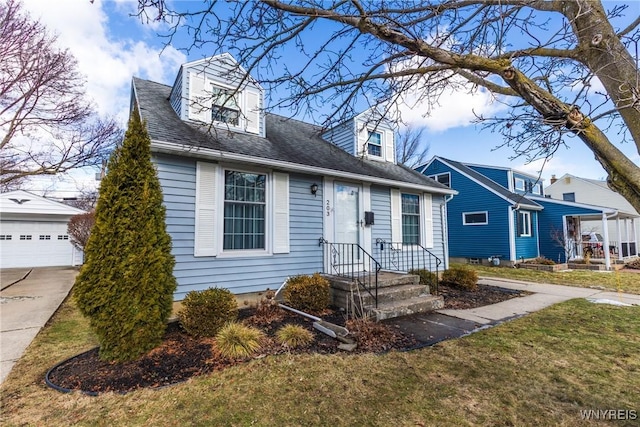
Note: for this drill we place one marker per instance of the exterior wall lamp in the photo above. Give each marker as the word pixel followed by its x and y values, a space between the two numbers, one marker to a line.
pixel 314 189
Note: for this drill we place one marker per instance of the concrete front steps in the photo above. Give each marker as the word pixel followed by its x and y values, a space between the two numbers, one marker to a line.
pixel 398 295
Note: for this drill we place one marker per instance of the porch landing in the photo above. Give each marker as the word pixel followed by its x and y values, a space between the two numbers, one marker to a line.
pixel 398 295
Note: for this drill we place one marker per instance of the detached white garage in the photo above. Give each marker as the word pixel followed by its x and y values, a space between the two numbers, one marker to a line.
pixel 33 232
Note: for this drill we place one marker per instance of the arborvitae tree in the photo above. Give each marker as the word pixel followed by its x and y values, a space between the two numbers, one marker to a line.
pixel 126 285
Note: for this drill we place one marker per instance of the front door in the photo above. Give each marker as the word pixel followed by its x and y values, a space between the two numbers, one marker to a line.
pixel 347 225
pixel 347 206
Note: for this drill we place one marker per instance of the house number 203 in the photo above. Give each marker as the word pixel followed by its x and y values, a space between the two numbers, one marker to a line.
pixel 328 208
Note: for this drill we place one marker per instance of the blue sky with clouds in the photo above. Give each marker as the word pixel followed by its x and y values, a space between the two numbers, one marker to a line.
pixel 111 46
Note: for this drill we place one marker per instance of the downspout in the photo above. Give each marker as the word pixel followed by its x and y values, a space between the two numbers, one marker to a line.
pixel 445 230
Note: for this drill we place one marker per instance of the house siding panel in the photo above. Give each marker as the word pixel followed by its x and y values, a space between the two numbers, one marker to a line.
pixel 343 136
pixel 551 224
pixel 474 241
pixel 527 246
pixel 238 274
pixel 176 99
pixel 500 176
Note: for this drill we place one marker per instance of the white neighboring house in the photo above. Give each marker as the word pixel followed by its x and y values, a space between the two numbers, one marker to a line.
pixel 596 192
pixel 33 232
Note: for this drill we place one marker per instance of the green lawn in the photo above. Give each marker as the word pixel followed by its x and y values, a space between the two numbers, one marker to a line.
pixel 623 281
pixel 538 370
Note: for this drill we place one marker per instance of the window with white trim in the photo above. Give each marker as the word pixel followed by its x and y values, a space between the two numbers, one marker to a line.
pixel 374 144
pixel 519 184
pixel 442 178
pixel 244 210
pixel 475 218
pixel 225 107
pixel 524 224
pixel 410 219
pixel 536 189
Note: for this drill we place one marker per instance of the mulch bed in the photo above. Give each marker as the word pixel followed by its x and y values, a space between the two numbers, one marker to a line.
pixel 458 299
pixel 181 356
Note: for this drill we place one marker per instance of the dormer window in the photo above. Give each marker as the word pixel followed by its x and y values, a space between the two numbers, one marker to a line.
pixel 225 108
pixel 374 144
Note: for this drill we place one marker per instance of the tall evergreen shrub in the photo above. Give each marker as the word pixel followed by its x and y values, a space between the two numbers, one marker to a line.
pixel 126 285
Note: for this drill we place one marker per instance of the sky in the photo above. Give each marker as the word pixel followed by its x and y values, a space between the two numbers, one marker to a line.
pixel 111 47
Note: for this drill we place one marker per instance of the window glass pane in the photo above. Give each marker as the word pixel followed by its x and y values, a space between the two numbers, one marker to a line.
pixel 569 197
pixel 410 219
pixel 224 106
pixel 519 184
pixel 475 218
pixel 244 210
pixel 374 144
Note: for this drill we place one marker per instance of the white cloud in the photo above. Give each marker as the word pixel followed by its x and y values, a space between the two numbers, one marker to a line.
pixel 111 47
pixel 440 103
pixel 107 61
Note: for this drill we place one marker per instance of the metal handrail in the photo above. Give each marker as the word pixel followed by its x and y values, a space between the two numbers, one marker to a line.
pixel 351 261
pixel 404 257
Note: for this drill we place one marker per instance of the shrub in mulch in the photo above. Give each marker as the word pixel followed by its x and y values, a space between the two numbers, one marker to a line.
pixel 307 293
pixel 204 313
pixel 461 277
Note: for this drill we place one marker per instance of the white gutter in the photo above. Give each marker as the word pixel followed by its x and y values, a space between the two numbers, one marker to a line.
pixel 445 230
pixel 208 153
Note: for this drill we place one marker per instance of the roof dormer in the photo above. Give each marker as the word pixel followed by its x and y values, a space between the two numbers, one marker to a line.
pixel 368 135
pixel 215 91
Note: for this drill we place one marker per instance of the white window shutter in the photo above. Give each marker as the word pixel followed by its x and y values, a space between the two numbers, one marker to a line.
pixel 252 111
pixel 281 213
pixel 205 243
pixel 428 221
pixel 396 216
pixel 390 148
pixel 361 140
pixel 199 100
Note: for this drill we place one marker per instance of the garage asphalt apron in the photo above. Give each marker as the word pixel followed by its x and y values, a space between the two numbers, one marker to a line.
pixel 29 302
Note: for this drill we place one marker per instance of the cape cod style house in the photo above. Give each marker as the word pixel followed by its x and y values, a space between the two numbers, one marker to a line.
pixel 253 198
pixel 504 214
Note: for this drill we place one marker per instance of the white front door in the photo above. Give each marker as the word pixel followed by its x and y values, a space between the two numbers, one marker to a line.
pixel 347 214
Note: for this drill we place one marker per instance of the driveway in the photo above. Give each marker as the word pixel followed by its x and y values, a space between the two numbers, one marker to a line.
pixel 26 306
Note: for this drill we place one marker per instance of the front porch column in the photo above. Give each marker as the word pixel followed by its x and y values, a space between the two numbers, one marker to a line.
pixel 620 257
pixel 605 249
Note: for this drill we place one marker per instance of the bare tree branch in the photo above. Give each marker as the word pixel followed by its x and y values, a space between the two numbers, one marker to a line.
pixel 47 126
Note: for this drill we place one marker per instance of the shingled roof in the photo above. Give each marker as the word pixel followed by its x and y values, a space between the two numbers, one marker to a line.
pixel 514 198
pixel 287 142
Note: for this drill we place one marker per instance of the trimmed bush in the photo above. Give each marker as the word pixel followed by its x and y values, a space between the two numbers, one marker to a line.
pixel 307 293
pixel 294 336
pixel 236 340
pixel 204 313
pixel 427 278
pixel 461 277
pixel 125 287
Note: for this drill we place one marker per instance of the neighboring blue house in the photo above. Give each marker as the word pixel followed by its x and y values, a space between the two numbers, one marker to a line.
pixel 500 212
pixel 253 198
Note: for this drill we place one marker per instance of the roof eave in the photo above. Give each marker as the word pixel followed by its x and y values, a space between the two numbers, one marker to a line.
pixel 208 153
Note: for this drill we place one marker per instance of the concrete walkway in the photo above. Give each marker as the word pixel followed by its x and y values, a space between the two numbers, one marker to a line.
pixel 26 306
pixel 544 295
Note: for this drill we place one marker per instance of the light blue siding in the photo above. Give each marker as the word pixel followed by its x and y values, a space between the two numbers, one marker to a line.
pixel 239 274
pixel 343 135
pixel 474 241
pixel 176 98
pixel 501 176
pixel 381 207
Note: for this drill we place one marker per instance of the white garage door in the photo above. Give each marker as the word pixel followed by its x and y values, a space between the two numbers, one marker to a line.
pixel 34 244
